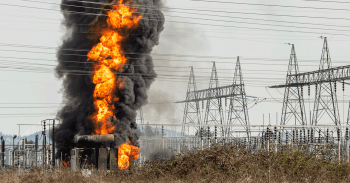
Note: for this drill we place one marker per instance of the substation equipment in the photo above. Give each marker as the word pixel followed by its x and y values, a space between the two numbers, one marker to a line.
pixel 98 151
pixel 204 114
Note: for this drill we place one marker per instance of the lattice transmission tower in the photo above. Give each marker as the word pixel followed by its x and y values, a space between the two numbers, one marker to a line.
pixel 191 111
pixel 293 102
pixel 213 110
pixel 238 111
pixel 326 97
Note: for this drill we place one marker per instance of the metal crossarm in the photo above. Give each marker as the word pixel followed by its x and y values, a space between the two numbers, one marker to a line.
pixel 316 77
pixel 211 93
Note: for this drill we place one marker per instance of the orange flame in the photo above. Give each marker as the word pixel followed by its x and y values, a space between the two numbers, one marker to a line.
pixel 64 163
pixel 126 151
pixel 110 59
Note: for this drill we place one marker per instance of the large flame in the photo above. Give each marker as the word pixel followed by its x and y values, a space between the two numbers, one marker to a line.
pixel 64 163
pixel 108 60
pixel 126 151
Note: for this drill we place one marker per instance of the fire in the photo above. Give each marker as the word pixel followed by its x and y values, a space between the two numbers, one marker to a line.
pixel 127 151
pixel 64 163
pixel 109 59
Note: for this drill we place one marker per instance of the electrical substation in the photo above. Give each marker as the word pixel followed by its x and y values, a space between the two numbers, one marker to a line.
pixel 218 114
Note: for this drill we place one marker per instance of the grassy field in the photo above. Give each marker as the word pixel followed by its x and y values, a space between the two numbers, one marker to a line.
pixel 217 164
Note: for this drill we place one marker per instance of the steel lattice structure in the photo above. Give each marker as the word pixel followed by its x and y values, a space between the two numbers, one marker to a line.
pixel 213 110
pixel 238 111
pixel 191 111
pixel 326 97
pixel 325 74
pixel 293 102
pixel 211 93
pixel 325 80
pixel 214 113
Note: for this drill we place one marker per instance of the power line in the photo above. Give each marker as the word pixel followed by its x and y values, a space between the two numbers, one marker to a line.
pixel 154 54
pixel 260 19
pixel 206 10
pixel 204 14
pixel 272 5
pixel 329 1
pixel 257 23
pixel 258 28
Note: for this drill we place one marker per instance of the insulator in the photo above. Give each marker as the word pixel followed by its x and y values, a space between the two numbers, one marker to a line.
pixel 327 136
pixel 301 90
pixel 296 136
pixel 225 101
pixel 208 132
pixel 263 137
pixel 338 133
pixel 293 136
pixel 308 92
pixel 319 136
pixel 268 133
pixel 279 137
pixel 287 138
pixel 316 88
pixel 304 135
pixel 343 85
pixel 312 135
pixel 215 132
pixel 255 143
pixel 202 104
pixel 275 135
pixel 335 86
pixel 301 136
pixel 347 134
pixel 308 135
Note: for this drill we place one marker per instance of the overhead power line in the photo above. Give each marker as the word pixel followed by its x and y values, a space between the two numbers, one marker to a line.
pixel 273 5
pixel 192 9
pixel 329 1
pixel 253 4
pixel 259 19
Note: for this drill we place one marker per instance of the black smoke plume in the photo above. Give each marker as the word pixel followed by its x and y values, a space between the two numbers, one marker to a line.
pixel 76 72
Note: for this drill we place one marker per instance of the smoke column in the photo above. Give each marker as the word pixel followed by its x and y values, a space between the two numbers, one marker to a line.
pixel 83 20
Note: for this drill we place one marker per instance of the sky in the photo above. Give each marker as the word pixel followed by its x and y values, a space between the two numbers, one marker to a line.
pixel 197 32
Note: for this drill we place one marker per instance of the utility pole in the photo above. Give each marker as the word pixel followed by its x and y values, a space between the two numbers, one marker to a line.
pixel 36 150
pixel 13 151
pixel 53 144
pixel 2 152
pixel 44 145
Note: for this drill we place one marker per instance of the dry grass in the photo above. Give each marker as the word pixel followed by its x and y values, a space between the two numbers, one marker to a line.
pixel 217 164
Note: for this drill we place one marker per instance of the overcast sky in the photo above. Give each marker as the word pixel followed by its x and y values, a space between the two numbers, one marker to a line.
pixel 31 31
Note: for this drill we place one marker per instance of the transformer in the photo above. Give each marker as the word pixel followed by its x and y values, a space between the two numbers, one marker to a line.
pixel 96 151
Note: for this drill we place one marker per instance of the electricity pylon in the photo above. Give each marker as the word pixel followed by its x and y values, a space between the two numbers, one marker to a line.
pixel 238 111
pixel 293 102
pixel 213 111
pixel 192 111
pixel 326 97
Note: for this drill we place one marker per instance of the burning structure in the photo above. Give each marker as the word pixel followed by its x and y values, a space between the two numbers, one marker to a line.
pixel 106 68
